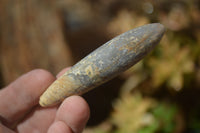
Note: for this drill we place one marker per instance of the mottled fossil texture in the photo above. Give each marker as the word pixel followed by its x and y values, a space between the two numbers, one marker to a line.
pixel 104 63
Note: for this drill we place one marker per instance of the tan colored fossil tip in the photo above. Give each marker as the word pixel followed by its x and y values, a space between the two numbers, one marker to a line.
pixel 43 102
pixel 58 91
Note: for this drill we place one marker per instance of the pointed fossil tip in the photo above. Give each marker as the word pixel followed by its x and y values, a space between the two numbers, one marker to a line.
pixel 155 32
pixel 149 36
pixel 41 103
pixel 159 28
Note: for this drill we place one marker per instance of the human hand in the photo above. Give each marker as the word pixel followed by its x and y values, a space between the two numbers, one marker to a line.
pixel 20 112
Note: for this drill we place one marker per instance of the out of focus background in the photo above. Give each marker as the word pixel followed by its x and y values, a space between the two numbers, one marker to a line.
pixel 160 94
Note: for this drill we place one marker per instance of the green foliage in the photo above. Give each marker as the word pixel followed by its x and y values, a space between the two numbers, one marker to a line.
pixel 136 114
pixel 130 113
pixel 194 119
pixel 150 129
pixel 133 113
pixel 165 115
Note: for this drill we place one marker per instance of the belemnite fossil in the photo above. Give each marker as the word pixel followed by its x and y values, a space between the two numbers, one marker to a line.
pixel 106 62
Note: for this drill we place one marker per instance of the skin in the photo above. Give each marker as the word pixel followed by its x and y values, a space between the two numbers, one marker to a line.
pixel 20 112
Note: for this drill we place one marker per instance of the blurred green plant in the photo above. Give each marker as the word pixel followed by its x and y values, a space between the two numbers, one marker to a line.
pixel 130 113
pixel 137 114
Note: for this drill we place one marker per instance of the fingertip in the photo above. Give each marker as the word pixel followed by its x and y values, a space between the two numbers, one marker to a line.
pixel 41 75
pixel 75 112
pixel 33 84
pixel 62 72
pixel 79 105
pixel 59 127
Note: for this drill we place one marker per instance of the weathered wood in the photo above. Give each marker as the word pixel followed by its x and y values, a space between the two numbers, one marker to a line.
pixel 31 36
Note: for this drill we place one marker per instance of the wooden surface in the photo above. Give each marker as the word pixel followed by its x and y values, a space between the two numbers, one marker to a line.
pixel 31 36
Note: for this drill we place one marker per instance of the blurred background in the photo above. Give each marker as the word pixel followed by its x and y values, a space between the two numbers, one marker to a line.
pixel 160 94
